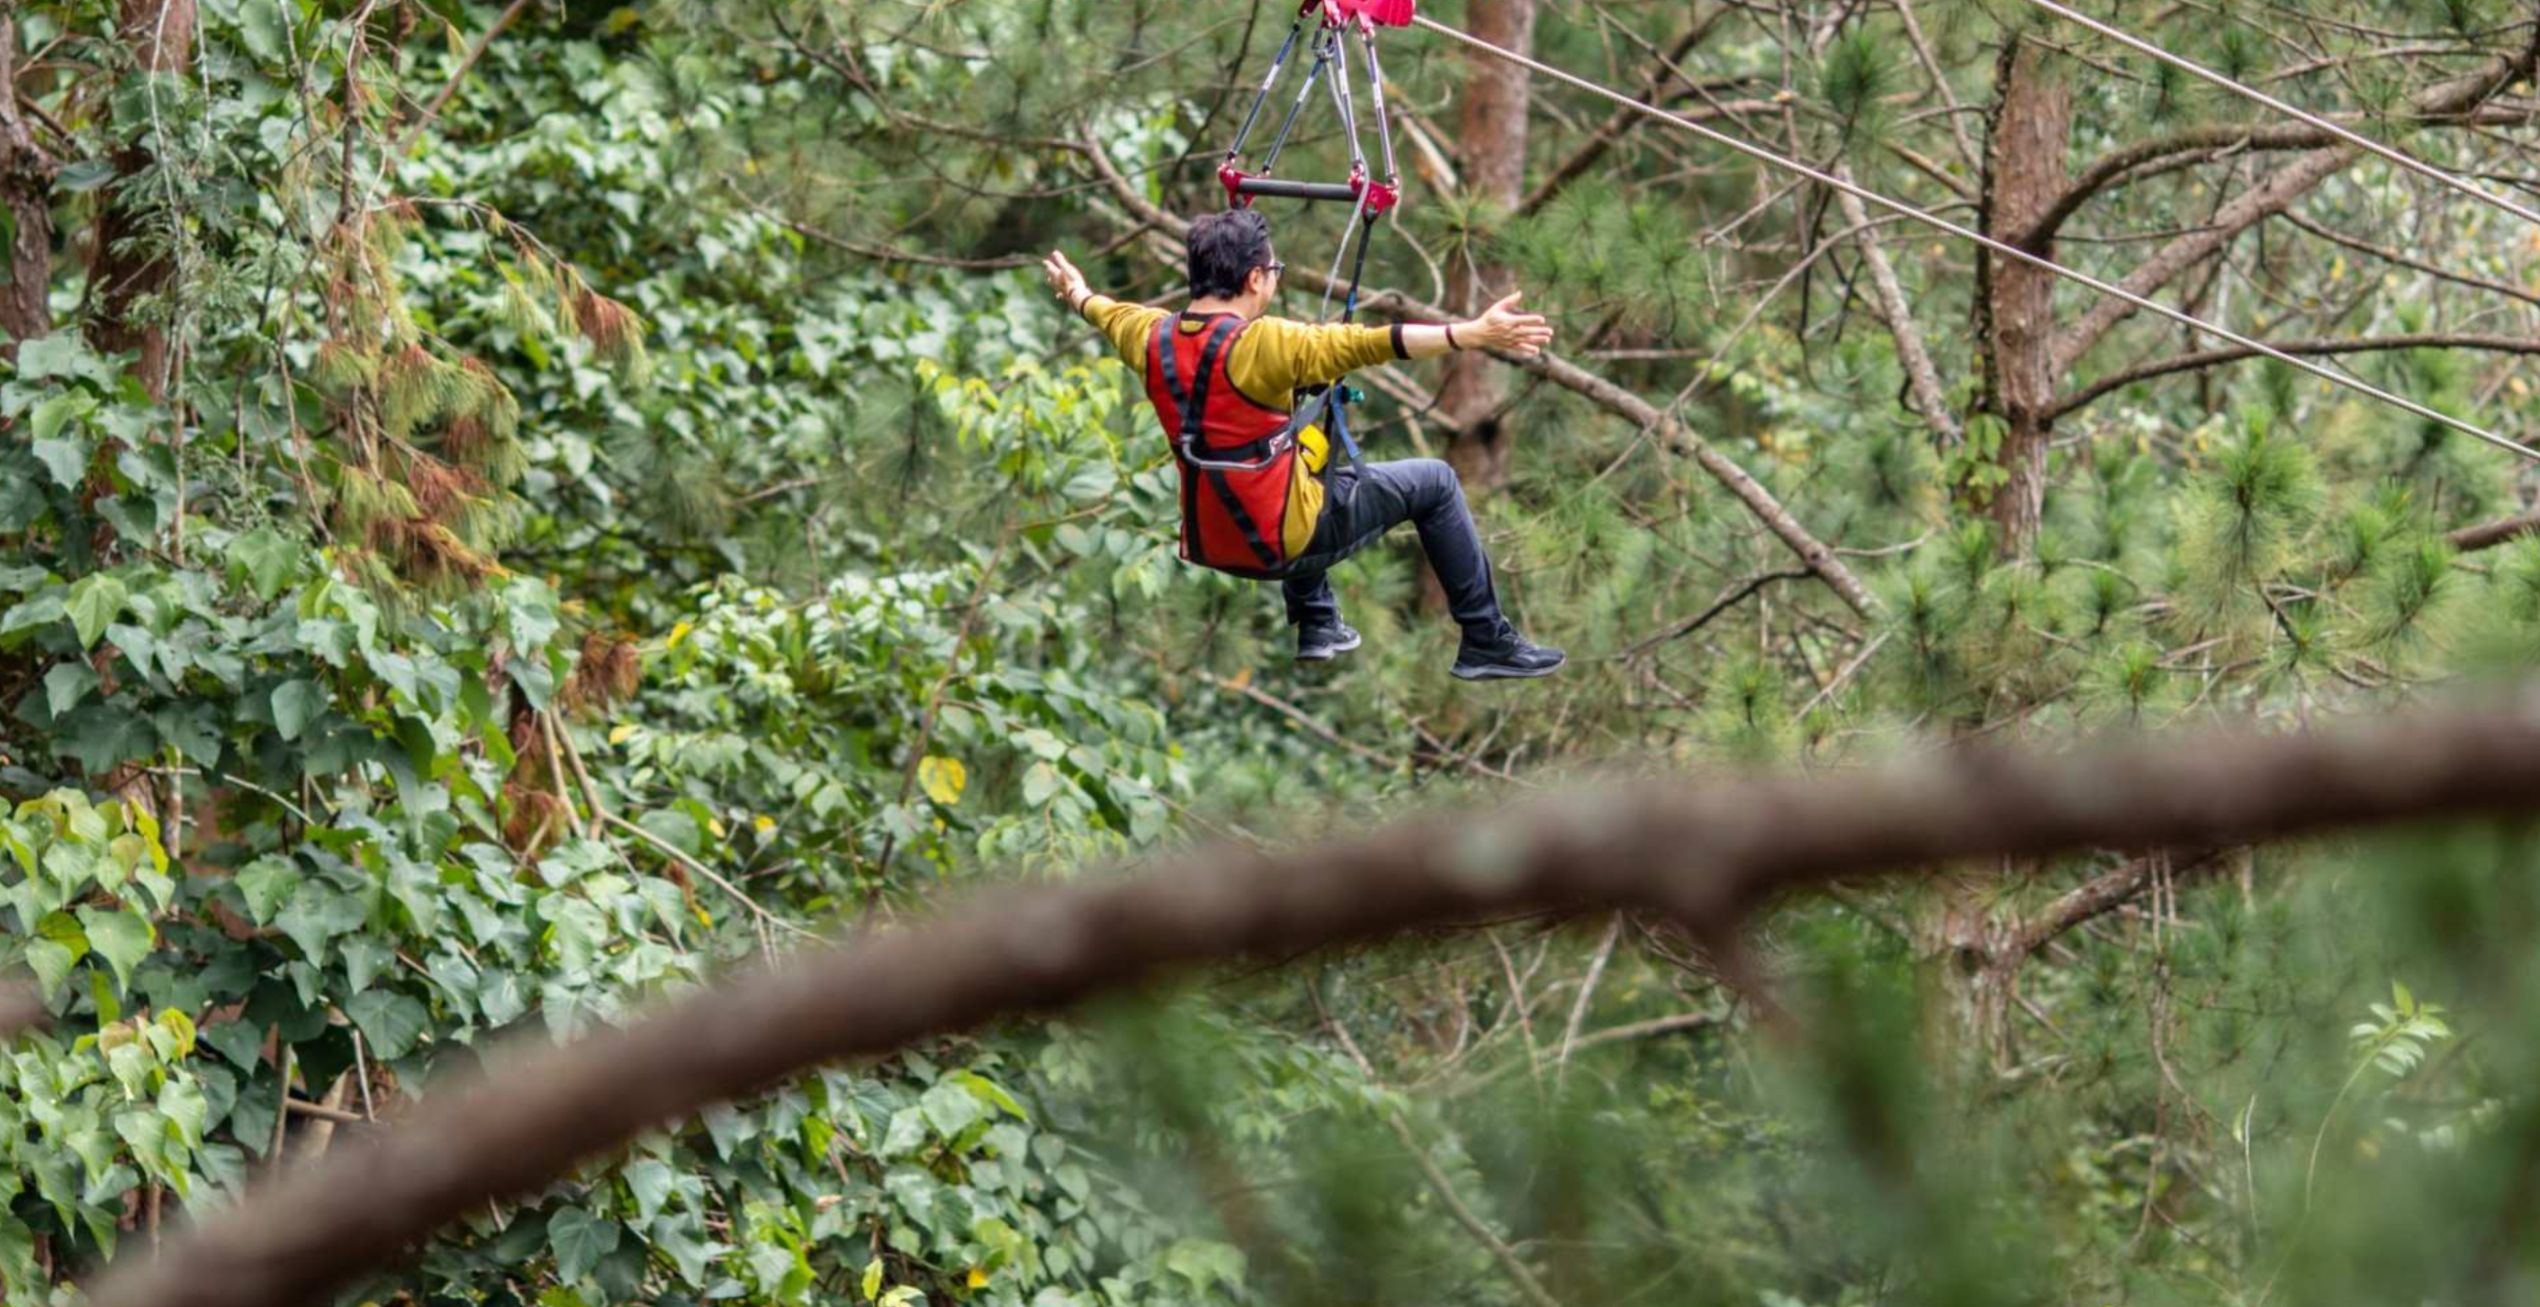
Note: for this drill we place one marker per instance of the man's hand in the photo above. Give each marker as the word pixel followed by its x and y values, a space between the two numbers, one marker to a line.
pixel 1066 282
pixel 1503 326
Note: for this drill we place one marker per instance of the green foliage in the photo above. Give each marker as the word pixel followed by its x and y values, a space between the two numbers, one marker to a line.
pixel 559 570
pixel 1855 79
pixel 1611 254
pixel 2243 520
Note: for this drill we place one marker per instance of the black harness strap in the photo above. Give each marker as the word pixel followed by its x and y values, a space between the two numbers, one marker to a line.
pixel 1162 363
pixel 1195 404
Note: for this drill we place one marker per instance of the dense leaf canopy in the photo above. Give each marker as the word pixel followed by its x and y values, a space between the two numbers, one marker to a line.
pixel 514 513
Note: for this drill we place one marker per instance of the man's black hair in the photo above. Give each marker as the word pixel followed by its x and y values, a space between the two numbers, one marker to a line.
pixel 1224 248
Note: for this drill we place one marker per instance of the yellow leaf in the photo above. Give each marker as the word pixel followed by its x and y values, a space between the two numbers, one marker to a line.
pixel 978 1278
pixel 872 1279
pixel 622 732
pixel 943 779
pixel 678 633
pixel 762 823
pixel 1241 678
pixel 716 825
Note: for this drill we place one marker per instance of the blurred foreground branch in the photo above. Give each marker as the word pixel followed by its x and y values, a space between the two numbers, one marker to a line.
pixel 1706 852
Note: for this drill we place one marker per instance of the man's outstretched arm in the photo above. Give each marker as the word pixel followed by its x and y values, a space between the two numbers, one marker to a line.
pixel 1502 326
pixel 1310 355
pixel 1124 324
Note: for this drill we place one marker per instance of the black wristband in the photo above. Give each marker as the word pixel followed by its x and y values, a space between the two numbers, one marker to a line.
pixel 1450 338
pixel 1400 351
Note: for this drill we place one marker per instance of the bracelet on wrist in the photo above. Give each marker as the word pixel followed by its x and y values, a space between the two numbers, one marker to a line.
pixel 1450 338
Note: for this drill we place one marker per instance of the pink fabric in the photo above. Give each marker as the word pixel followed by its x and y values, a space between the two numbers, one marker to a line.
pixel 1383 13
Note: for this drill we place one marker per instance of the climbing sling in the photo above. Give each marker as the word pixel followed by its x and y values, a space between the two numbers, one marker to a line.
pixel 1324 408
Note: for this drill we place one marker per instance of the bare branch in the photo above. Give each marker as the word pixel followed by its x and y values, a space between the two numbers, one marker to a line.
pixel 458 76
pixel 2206 358
pixel 2405 260
pixel 2487 535
pixel 1602 140
pixel 1728 599
pixel 2150 158
pixel 2446 100
pixel 2245 210
pixel 1705 853
pixel 1438 1181
pixel 1304 720
pixel 1940 83
pixel 1587 995
pixel 2451 102
pixel 2096 897
pixel 892 254
pixel 1921 378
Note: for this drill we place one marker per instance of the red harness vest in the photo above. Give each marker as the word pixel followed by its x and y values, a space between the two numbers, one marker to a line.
pixel 1237 457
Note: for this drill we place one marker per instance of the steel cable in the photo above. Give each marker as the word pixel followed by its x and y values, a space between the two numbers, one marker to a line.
pixel 2004 248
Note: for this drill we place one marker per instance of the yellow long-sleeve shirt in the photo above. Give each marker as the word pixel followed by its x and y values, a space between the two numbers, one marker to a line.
pixel 1272 360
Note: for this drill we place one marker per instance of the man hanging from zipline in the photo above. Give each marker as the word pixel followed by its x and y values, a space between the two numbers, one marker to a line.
pixel 1259 497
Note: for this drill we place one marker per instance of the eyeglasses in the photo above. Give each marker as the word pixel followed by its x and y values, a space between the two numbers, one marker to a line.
pixel 1275 267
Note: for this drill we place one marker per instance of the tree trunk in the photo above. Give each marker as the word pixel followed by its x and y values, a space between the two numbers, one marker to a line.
pixel 2024 172
pixel 1493 138
pixel 1969 968
pixel 26 185
pixel 128 271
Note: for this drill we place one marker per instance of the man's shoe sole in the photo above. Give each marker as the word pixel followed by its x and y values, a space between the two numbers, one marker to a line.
pixel 1502 672
pixel 1330 651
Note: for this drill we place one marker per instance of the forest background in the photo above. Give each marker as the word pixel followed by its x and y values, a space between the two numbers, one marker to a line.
pixel 515 512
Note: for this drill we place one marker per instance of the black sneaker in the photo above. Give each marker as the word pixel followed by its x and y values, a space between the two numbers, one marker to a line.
pixel 1321 644
pixel 1515 658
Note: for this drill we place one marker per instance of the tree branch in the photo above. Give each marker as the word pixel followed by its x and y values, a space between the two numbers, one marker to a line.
pixel 2487 535
pixel 1438 1181
pixel 1705 853
pixel 2446 103
pixel 2096 897
pixel 1304 720
pixel 2405 260
pixel 2150 158
pixel 1728 599
pixel 2245 210
pixel 2280 189
pixel 1921 378
pixel 1940 83
pixel 458 76
pixel 1617 123
pixel 2207 358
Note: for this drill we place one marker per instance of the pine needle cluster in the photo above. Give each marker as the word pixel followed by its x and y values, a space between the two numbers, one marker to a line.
pixel 1609 253
pixel 427 441
pixel 1857 81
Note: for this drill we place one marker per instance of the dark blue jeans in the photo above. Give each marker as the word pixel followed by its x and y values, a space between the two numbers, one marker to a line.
pixel 1357 511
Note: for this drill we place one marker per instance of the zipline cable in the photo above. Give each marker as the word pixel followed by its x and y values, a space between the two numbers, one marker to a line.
pixel 2194 69
pixel 1935 221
